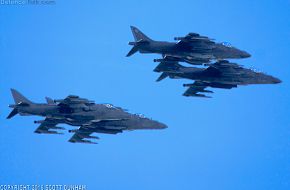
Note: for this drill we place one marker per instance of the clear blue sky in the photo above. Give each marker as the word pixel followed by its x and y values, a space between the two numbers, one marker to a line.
pixel 238 140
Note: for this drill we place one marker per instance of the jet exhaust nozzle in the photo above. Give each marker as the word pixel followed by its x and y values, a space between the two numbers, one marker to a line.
pixel 11 105
pixel 39 121
pixel 57 127
pixel 158 60
pixel 132 43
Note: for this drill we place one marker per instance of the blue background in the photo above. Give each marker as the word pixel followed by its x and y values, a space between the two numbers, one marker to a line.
pixel 238 140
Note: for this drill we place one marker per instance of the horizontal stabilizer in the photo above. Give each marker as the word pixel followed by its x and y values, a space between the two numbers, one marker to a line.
pixel 168 66
pixel 162 76
pixel 132 51
pixel 13 113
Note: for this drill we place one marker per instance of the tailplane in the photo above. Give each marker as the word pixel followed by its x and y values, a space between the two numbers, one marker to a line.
pixel 168 69
pixel 162 76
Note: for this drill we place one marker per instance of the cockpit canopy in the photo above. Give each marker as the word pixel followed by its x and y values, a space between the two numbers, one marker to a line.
pixel 227 44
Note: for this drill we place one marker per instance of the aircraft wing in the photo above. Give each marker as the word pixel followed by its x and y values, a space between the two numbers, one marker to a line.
pixel 167 64
pixel 108 126
pixel 224 67
pixel 81 134
pixel 222 64
pixel 193 59
pixel 72 102
pixel 197 87
pixel 72 99
pixel 48 126
pixel 196 42
pixel 195 90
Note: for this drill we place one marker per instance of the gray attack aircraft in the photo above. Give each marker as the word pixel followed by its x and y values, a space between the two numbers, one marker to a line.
pixel 221 74
pixel 193 48
pixel 82 113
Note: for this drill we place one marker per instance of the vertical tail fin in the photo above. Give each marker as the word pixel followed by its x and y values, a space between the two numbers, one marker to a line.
pixel 138 35
pixel 140 39
pixel 19 97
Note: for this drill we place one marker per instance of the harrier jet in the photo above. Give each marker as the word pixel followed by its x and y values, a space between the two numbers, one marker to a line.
pixel 82 113
pixel 193 48
pixel 221 74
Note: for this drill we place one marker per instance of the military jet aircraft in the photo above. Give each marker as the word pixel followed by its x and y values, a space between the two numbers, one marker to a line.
pixel 193 48
pixel 82 113
pixel 221 74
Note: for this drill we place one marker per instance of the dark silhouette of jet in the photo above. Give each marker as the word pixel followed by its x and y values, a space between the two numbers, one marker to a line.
pixel 193 48
pixel 82 113
pixel 221 74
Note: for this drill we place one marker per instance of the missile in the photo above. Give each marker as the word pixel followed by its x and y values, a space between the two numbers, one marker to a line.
pixel 73 131
pixel 189 85
pixel 57 127
pixel 158 60
pixel 167 60
pixel 225 86
pixel 89 137
pixel 196 95
pixel 39 121
pixel 82 141
pixel 47 132
pixel 13 113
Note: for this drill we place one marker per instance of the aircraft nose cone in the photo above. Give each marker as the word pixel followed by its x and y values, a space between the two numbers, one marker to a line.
pixel 158 125
pixel 245 54
pixel 276 80
pixel 162 126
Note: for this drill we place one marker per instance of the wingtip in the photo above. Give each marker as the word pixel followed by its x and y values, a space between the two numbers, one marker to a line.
pixel 13 90
pixel 71 141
